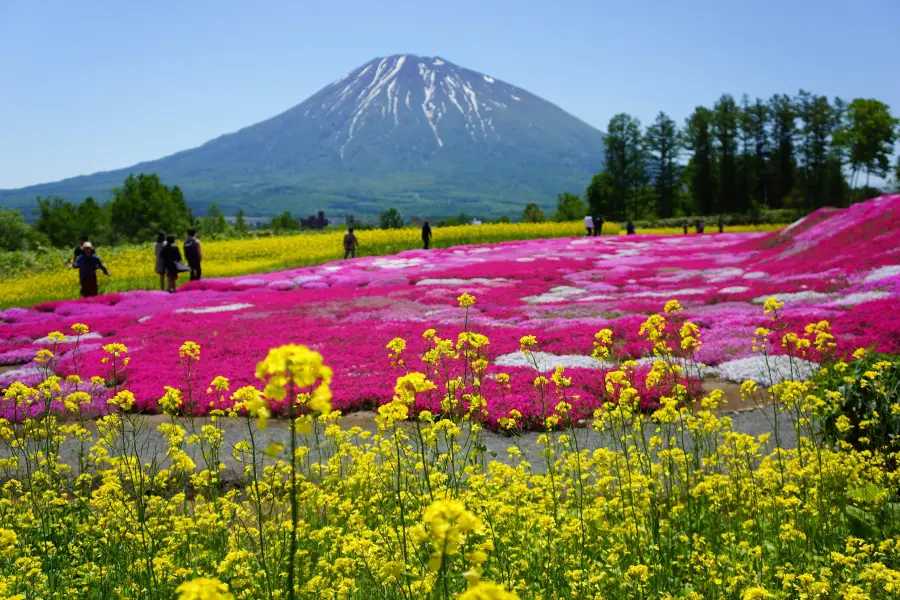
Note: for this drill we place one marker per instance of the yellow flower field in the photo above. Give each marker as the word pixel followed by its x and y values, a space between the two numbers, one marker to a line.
pixel 132 267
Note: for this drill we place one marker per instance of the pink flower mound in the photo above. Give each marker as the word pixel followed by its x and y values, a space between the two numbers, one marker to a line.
pixel 839 265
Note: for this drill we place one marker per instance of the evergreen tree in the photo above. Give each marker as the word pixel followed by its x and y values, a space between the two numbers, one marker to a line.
pixel 784 130
pixel 758 125
pixel 746 167
pixel 214 222
pixel 625 162
pixel 94 220
pixel 818 120
pixel 143 206
pixel 664 145
pixel 240 224
pixel 391 219
pixel 725 126
pixel 58 220
pixel 699 141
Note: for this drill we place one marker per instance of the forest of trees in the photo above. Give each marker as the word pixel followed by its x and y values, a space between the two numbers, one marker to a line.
pixel 799 152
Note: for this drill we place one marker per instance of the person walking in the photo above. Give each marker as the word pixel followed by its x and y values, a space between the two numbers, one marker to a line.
pixel 192 254
pixel 351 244
pixel 598 225
pixel 629 228
pixel 426 235
pixel 87 264
pixel 589 224
pixel 172 263
pixel 160 267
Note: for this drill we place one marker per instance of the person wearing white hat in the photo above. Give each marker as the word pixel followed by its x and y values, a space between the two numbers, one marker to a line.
pixel 87 264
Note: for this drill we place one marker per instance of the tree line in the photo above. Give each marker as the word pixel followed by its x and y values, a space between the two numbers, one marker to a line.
pixel 801 152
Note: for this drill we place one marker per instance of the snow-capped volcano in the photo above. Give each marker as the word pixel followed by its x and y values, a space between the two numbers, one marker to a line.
pixel 421 134
pixel 418 91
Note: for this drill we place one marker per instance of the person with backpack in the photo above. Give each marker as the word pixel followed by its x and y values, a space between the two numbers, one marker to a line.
pixel 351 244
pixel 192 254
pixel 172 263
pixel 87 264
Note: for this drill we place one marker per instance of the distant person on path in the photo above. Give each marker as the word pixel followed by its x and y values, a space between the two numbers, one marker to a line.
pixel 350 244
pixel 172 262
pixel 699 226
pixel 87 264
pixel 685 229
pixel 589 224
pixel 426 234
pixel 721 227
pixel 629 228
pixel 160 266
pixel 598 225
pixel 192 254
pixel 78 249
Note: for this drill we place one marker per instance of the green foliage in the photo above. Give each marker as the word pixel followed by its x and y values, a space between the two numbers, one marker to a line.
pixel 868 135
pixel 58 220
pixel 240 225
pixel 532 214
pixel 625 162
pixel 866 417
pixel 783 164
pixel 214 222
pixel 143 206
pixel 569 207
pixel 285 222
pixel 390 219
pixel 601 194
pixel 698 137
pixel 15 234
pixel 664 144
pixel 725 132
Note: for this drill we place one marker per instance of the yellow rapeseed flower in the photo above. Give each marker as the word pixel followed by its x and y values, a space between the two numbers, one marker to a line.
pixel 203 588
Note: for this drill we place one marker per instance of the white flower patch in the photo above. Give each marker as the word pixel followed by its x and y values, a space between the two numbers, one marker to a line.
pixel 333 268
pixel 301 279
pixel 755 275
pixel 735 289
pixel 526 259
pixel 794 297
pixel 452 281
pixel 547 362
pixel 723 274
pixel 145 318
pixel 70 339
pixel 596 298
pixel 792 225
pixel 670 293
pixel 282 285
pixel 883 273
pixel 766 371
pixel 23 373
pixel 557 294
pixel 580 242
pixel 860 298
pixel 480 250
pixel 396 263
pixel 250 282
pixel 215 309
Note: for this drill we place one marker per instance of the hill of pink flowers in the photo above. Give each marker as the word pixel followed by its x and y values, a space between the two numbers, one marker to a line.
pixel 839 265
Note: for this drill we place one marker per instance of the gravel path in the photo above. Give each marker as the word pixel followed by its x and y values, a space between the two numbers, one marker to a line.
pixel 753 422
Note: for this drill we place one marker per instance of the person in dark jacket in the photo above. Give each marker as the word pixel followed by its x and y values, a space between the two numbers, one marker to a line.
pixel 171 256
pixel 629 228
pixel 159 267
pixel 598 225
pixel 426 234
pixel 192 254
pixel 87 264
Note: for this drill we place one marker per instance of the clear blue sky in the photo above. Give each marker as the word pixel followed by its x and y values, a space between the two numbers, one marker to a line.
pixel 92 85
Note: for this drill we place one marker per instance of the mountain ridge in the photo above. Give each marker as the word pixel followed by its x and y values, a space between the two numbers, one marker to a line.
pixel 419 133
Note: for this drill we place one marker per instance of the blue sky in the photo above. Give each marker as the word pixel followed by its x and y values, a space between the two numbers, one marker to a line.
pixel 95 85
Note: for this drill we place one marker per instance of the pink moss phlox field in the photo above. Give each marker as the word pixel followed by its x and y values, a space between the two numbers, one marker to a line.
pixel 839 265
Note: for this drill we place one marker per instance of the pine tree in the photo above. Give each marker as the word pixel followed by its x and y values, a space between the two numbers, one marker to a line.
pixel 240 224
pixel 699 141
pixel 725 125
pixel 625 162
pixel 784 130
pixel 664 144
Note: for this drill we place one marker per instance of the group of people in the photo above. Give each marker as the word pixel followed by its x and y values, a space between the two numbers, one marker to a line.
pixel 351 243
pixel 169 262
